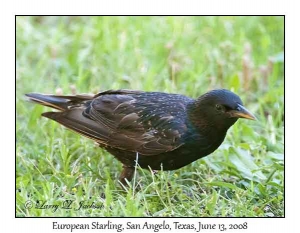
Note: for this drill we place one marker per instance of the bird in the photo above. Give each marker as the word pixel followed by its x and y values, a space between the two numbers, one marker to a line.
pixel 156 130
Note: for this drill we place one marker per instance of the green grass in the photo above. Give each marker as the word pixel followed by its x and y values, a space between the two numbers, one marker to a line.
pixel 187 55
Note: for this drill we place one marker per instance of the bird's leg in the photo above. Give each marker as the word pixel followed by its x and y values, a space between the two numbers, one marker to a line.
pixel 126 174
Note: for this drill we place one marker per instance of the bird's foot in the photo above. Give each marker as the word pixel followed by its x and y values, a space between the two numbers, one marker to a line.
pixel 126 176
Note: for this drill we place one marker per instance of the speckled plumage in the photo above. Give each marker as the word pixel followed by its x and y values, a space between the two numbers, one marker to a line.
pixel 167 131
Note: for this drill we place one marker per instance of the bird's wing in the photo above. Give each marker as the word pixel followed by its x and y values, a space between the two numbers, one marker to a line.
pixel 148 123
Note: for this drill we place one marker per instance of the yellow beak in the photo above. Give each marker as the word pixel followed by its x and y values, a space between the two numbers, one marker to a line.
pixel 242 112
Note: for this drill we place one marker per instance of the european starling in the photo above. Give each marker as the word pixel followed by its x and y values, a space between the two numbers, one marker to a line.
pixel 166 131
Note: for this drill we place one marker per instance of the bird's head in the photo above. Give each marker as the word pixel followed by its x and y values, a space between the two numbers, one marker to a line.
pixel 219 108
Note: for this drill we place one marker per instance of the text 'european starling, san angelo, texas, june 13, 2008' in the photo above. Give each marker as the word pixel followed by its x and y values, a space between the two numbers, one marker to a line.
pixel 160 130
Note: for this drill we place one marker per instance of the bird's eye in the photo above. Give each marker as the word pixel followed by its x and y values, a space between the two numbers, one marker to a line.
pixel 218 107
pixel 238 108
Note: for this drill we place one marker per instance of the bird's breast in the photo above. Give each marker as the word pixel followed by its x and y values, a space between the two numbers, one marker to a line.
pixel 195 146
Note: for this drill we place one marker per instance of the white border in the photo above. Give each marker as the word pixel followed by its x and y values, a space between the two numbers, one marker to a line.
pixel 7 43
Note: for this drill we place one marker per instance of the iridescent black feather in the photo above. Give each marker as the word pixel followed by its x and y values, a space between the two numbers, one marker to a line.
pixel 168 131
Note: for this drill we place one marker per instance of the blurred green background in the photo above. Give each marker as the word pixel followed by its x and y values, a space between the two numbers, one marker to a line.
pixel 186 55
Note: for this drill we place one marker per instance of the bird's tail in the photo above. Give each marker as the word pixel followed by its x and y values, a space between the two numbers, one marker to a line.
pixel 71 114
pixel 58 102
